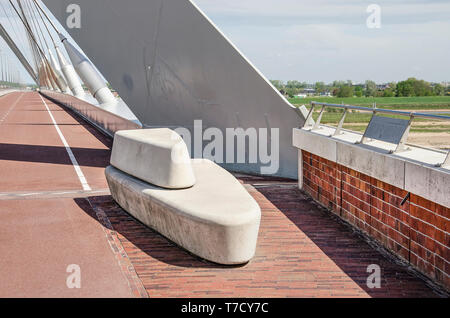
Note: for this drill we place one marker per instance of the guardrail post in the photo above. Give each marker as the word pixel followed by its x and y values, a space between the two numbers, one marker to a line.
pixel 338 130
pixel 309 117
pixel 402 144
pixel 364 138
pixel 446 163
pixel 317 124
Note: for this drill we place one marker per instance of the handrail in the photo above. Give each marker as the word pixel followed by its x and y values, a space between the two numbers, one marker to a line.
pixel 382 110
pixel 401 136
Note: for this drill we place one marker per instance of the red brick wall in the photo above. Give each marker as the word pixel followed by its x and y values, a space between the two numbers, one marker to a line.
pixel 418 231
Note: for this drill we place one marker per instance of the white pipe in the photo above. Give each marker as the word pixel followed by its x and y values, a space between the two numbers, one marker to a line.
pixel 48 79
pixel 70 75
pixel 53 75
pixel 89 74
pixel 61 81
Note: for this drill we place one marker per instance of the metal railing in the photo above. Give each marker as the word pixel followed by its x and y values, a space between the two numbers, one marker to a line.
pixel 399 136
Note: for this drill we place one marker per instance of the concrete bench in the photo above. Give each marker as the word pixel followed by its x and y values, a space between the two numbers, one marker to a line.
pixel 215 219
pixel 194 203
pixel 157 156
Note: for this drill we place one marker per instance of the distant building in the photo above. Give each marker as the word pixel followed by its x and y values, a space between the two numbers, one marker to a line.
pixel 382 87
pixel 306 92
pixel 309 92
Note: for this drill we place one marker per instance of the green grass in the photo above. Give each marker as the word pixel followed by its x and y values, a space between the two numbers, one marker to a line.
pixel 428 102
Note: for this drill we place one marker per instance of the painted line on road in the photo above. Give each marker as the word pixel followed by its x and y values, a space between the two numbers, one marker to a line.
pixel 10 109
pixel 75 164
pixel 5 196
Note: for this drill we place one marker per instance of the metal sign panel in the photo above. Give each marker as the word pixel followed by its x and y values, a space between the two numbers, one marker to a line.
pixel 172 66
pixel 387 129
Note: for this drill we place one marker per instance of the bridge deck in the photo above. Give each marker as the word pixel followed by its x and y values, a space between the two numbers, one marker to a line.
pixel 56 211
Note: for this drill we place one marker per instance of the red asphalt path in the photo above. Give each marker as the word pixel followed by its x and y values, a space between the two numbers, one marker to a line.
pixel 43 227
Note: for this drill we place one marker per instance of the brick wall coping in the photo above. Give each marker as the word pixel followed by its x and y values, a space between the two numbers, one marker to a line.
pixel 413 170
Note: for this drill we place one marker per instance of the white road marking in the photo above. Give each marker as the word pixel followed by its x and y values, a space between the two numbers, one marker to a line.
pixel 51 194
pixel 10 109
pixel 75 164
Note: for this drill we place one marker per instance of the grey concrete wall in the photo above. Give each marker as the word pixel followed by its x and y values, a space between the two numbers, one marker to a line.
pixel 109 123
pixel 422 179
pixel 172 66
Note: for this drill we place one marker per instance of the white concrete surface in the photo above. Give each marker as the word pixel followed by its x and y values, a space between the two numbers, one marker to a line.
pixel 370 162
pixel 427 156
pixel 4 92
pixel 414 170
pixel 432 184
pixel 316 144
pixel 300 169
pixel 216 219
pixel 157 156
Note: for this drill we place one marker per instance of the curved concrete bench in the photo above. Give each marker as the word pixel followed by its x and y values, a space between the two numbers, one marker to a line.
pixel 157 156
pixel 216 219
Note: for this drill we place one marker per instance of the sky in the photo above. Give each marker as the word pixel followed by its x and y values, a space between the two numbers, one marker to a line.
pixel 14 27
pixel 327 40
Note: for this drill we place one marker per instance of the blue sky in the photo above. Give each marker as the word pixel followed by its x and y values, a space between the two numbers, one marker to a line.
pixel 326 40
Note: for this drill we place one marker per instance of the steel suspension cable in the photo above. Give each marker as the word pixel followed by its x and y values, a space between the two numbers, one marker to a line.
pixel 43 20
pixel 14 44
pixel 24 37
pixel 36 2
pixel 51 71
pixel 37 41
pixel 26 25
pixel 9 20
pixel 34 18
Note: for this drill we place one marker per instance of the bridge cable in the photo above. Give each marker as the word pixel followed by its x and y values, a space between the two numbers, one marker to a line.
pixel 52 71
pixel 41 59
pixel 43 21
pixel 38 50
pixel 18 49
pixel 46 15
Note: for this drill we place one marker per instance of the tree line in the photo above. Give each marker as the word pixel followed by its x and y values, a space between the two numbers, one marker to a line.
pixel 411 87
pixel 9 84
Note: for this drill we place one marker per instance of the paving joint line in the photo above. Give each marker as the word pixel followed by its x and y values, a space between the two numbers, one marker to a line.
pixel 134 282
pixel 4 196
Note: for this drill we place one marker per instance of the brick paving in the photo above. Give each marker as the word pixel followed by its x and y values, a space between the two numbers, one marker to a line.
pixel 302 252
